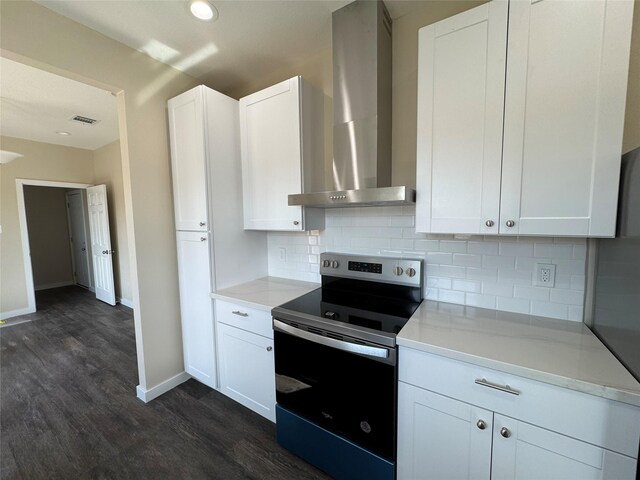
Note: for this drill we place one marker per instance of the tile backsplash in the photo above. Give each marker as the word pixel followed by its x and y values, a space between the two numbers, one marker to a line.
pixel 484 271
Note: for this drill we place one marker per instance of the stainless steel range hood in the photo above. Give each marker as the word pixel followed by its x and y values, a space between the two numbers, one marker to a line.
pixel 361 112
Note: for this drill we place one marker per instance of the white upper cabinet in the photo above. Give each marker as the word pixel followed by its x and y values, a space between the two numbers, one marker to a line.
pixel 281 132
pixel 188 169
pixel 566 89
pixel 537 153
pixel 461 69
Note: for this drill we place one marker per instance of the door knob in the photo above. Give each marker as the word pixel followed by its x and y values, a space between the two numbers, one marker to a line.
pixel 481 424
pixel 505 432
pixel 510 223
pixel 105 252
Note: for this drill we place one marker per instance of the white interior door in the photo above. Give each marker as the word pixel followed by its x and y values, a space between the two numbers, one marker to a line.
pixel 101 251
pixel 79 241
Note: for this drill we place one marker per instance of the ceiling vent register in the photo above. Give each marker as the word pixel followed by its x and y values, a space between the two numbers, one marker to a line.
pixel 84 120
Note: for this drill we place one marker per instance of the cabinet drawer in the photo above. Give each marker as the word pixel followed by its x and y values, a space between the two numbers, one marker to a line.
pixel 606 423
pixel 249 319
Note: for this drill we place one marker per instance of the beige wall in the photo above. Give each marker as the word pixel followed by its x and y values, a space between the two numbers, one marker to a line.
pixel 49 243
pixel 41 161
pixel 107 163
pixel 36 35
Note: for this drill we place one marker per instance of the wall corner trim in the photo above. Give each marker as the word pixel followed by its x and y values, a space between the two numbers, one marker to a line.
pixel 125 301
pixel 163 387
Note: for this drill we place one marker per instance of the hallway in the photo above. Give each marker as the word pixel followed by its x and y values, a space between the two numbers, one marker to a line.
pixel 69 410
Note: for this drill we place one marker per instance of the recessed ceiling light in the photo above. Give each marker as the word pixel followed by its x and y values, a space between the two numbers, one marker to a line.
pixel 63 133
pixel 203 10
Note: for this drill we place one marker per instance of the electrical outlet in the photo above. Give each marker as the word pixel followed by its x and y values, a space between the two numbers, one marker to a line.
pixel 544 275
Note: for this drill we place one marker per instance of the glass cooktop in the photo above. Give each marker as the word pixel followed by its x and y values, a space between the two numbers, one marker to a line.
pixel 363 304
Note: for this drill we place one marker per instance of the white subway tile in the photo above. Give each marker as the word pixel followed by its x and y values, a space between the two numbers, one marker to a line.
pixel 528 264
pixel 552 310
pixel 579 252
pixel 563 281
pixel 450 296
pixel 431 294
pixel 532 293
pixel 578 282
pixel 466 285
pixel 405 221
pixel 482 301
pixel 483 248
pixel 439 258
pixel 576 313
pixel 498 261
pixel 438 282
pixel 451 271
pixel 553 250
pixel 567 296
pixel 498 289
pixel 427 245
pixel 482 274
pixel 517 305
pixel 517 249
pixel 570 267
pixel 409 210
pixel 467 260
pixel 365 242
pixel 453 246
pixel 372 221
pixel 515 277
pixel 402 243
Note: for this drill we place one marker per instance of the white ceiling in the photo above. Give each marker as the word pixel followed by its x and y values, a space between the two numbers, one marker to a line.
pixel 250 39
pixel 35 104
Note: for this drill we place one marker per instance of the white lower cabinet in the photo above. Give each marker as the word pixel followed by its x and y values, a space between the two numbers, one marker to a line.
pixel 196 309
pixel 450 427
pixel 246 363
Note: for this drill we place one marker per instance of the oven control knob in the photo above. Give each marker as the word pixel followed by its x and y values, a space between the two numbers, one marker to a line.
pixel 411 272
pixel 397 271
pixel 326 263
pixel 335 264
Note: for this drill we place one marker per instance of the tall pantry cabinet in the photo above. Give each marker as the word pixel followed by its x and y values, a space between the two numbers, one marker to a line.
pixel 520 118
pixel 214 250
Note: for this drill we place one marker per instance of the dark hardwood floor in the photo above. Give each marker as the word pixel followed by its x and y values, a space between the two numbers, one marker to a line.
pixel 68 407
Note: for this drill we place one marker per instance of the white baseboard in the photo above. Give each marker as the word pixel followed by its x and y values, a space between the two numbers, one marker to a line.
pixel 15 313
pixel 54 285
pixel 154 392
pixel 125 301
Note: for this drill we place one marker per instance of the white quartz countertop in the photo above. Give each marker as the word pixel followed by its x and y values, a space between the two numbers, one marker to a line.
pixel 557 352
pixel 265 293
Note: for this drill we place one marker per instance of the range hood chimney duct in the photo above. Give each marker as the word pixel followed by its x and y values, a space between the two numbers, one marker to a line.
pixel 361 33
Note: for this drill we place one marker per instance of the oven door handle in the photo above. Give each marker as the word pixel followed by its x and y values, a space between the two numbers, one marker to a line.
pixel 332 342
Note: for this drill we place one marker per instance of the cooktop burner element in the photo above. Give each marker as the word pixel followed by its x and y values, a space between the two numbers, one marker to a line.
pixel 365 297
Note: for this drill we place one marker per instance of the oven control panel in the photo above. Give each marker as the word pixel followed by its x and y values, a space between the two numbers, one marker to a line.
pixel 401 271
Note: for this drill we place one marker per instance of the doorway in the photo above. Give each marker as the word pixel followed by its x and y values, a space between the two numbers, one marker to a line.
pixel 79 239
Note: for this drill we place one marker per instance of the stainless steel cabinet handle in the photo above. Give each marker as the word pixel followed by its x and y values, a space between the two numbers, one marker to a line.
pixel 238 312
pixel 489 223
pixel 505 388
pixel 202 224
pixel 510 223
pixel 296 222
pixel 202 239
pixel 505 432
pixel 481 424
pixel 269 349
pixel 331 342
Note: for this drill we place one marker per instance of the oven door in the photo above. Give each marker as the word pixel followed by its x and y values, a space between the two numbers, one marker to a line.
pixel 339 383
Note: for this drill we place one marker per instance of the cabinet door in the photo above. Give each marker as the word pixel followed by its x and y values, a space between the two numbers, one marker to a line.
pixel 196 309
pixel 188 171
pixel 564 115
pixel 527 452
pixel 271 157
pixel 439 437
pixel 247 371
pixel 461 75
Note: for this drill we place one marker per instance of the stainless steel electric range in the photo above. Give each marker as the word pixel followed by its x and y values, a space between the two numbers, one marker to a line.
pixel 336 364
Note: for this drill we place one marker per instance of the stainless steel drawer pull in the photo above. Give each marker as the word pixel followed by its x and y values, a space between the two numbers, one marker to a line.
pixel 505 388
pixel 238 312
